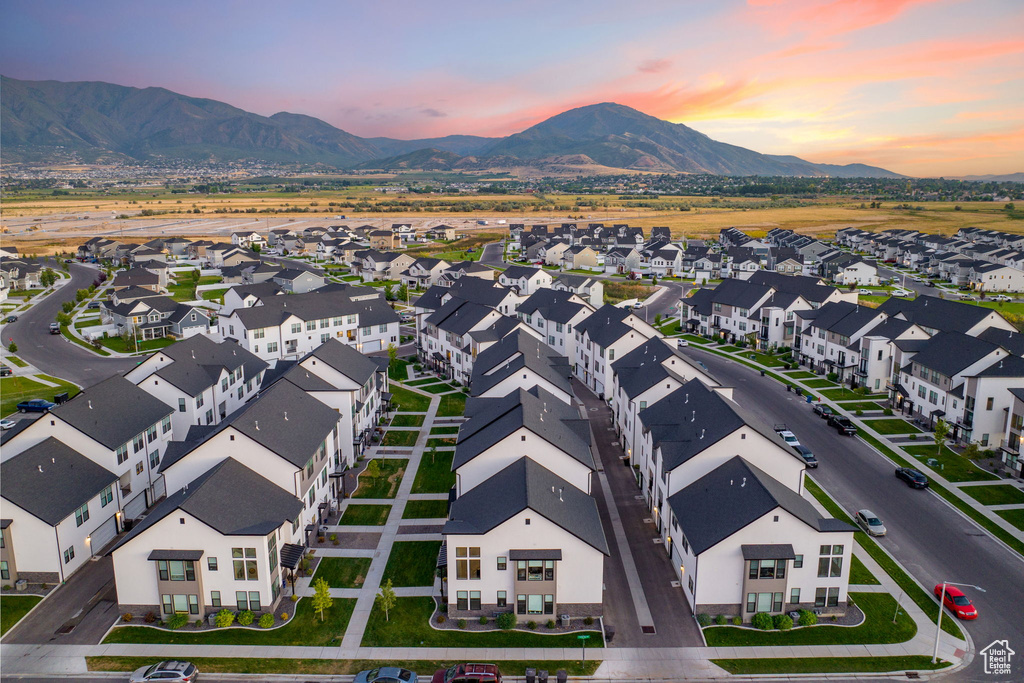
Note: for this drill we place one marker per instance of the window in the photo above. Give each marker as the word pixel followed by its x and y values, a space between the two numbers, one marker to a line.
pixel 106 496
pixel 254 601
pixel 798 562
pixel 502 598
pixel 244 564
pixel 224 384
pixel 272 347
pixel 122 453
pixel 534 604
pixel 462 600
pixel 69 554
pixel 767 569
pixel 215 599
pixel 988 403
pixel 794 595
pixel 154 459
pixel 502 563
pixel 165 425
pixel 467 568
pixel 259 333
pixel 534 570
pixel 168 604
pixel 82 515
pixel 139 467
pixel 549 604
pixel 211 564
pixel 199 401
pixel 272 549
pixel 209 416
pixel 5 572
pixel 139 442
pixel 310 325
pixel 549 570
pixel 181 405
pixel 241 600
pixel 521 604
pixel 830 562
pixel 296 328
pixel 474 600
pixel 151 434
pixel 826 596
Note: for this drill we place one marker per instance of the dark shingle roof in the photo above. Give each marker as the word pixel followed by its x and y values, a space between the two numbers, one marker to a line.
pixel 642 368
pixel 935 313
pixel 527 485
pixel 952 352
pixel 51 480
pixel 113 412
pixel 552 304
pixel 513 353
pixel 326 302
pixel 345 360
pixel 605 325
pixel 1011 340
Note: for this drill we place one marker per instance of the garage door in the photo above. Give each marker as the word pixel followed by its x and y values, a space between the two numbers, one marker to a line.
pixel 371 346
pixel 159 488
pixel 135 507
pixel 103 535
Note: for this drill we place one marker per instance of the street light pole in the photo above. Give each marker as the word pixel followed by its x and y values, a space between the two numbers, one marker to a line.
pixel 942 606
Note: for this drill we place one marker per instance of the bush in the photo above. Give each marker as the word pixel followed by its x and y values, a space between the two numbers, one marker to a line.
pixel 532 625
pixel 913 437
pixel 737 621
pixel 126 617
pixel 267 620
pixel 441 618
pixel 551 623
pixel 859 412
pixel 150 617
pixel 704 619
pixel 588 621
pixel 763 621
pixel 462 623
pixel 832 377
pixel 246 617
pixel 198 623
pixel 807 618
pixel 484 620
pixel 506 621
pixel 177 621
pixel 720 620
pixel 224 618
pixel 887 412
pixel 783 622
pixel 284 616
pixel 334 538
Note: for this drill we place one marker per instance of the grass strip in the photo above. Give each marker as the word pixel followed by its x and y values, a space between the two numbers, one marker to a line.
pixel 444 430
pixel 343 572
pixel 405 438
pixel 452 405
pixel 81 342
pixel 998 494
pixel 341 667
pixel 440 442
pixel 861 575
pixel 425 509
pixel 406 420
pixel 828 665
pixel 409 401
pixel 13 608
pixel 434 474
pixel 891 425
pixel 17 361
pixel 1014 517
pixel 385 485
pixel 412 563
pixel 365 515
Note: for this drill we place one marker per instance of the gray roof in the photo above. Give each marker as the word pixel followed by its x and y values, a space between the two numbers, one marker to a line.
pixel 1011 340
pixel 326 302
pixel 734 495
pixel 113 412
pixel 605 325
pixel 512 354
pixel 229 498
pixel 199 361
pixel 51 480
pixel 936 313
pixel 644 366
pixel 344 359
pixel 952 352
pixel 459 316
pixel 527 485
pixel 552 304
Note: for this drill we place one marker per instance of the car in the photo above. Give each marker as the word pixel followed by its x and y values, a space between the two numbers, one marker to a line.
pixel 682 343
pixel 93 304
pixel 966 297
pixel 638 304
pixel 869 522
pixel 930 283
pixel 35 405
pixel 54 328
pixel 5 371
pixel 69 260
pixel 1001 297
pixel 7 424
pixel 901 292
pixel 914 479
pixel 385 674
pixel 787 436
pixel 11 319
pixel 823 410
pixel 957 602
pixel 805 453
pixel 169 670
pixel 464 673
pixel 842 425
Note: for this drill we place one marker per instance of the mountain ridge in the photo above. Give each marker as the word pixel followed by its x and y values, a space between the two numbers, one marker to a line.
pixel 104 120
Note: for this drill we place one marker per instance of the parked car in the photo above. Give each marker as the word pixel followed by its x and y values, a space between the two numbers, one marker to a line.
pixel 93 304
pixel 914 479
pixel 869 522
pixel 54 328
pixel 682 343
pixel 386 674
pixel 842 425
pixel 467 673
pixel 787 436
pixel 805 453
pixel 170 670
pixel 35 405
pixel 823 410
pixel 1001 297
pixel 902 292
pixel 11 319
pixel 5 371
pixel 966 297
pixel 957 602
pixel 7 424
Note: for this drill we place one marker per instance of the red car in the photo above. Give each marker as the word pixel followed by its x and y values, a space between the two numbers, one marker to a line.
pixel 957 602
pixel 468 673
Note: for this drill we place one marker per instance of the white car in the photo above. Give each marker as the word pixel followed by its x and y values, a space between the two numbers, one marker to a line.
pixel 682 343
pixel 867 520
pixel 7 424
pixel 901 292
pixel 1001 297
pixel 789 437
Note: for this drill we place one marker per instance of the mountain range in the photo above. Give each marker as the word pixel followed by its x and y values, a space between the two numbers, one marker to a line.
pixel 101 121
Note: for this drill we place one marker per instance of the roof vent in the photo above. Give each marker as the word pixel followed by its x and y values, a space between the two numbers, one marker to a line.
pixel 286 415
pixel 257 425
pixel 693 416
pixel 702 434
pixel 744 482
pixel 560 489
pixel 90 404
pixel 41 469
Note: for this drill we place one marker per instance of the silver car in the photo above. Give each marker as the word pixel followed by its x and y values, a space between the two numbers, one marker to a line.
pixel 867 520
pixel 170 670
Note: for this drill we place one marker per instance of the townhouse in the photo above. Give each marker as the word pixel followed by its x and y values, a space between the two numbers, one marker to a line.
pixel 520 361
pixel 446 338
pixel 553 313
pixel 589 289
pixel 827 337
pixel 297 281
pixel 524 280
pixel 608 332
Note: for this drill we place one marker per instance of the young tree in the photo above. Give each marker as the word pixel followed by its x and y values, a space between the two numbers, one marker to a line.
pixel 195 276
pixel 256 247
pixel 12 347
pixel 389 292
pixel 67 306
pixel 373 469
pixel 433 454
pixel 392 354
pixel 63 319
pixel 941 432
pixel 322 599
pixel 403 293
pixel 81 294
pixel 386 599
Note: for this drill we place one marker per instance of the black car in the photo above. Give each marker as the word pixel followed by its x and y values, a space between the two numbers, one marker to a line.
pixel 11 319
pixel 842 425
pixel 93 304
pixel 914 479
pixel 823 410
pixel 805 454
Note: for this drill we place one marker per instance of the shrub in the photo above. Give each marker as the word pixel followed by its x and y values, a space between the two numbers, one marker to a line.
pixel 126 617
pixel 224 618
pixel 295 598
pixel 704 619
pixel 737 621
pixel 245 617
pixel 483 621
pixel 783 622
pixel 807 618
pixel 462 623
pixel 441 618
pixel 551 623
pixel 859 412
pixel 720 620
pixel 506 621
pixel 589 621
pixel 150 617
pixel 831 376
pixel 763 621
pixel 267 620
pixel 198 623
pixel 887 412
pixel 284 616
pixel 334 538
pixel 532 625
pixel 913 437
pixel 177 621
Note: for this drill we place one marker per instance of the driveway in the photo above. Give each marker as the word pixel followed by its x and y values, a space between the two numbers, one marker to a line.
pixel 674 625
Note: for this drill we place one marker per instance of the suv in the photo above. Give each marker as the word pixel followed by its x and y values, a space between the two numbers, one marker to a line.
pixel 464 673
pixel 54 328
pixel 180 672
pixel 805 454
pixel 914 479
pixel 842 425
pixel 823 410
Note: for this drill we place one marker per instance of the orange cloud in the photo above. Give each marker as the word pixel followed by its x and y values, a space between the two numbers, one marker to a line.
pixel 828 19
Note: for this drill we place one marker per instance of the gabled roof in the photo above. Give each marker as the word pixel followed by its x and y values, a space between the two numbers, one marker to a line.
pixel 810 288
pixel 459 316
pixel 552 304
pixel 526 485
pixel 605 325
pixel 474 289
pixel 734 495
pixel 949 353
pixel 325 302
pixel 51 480
pixel 511 355
pixel 1011 340
pixel 643 367
pixel 198 362
pixel 520 272
pixel 547 416
pixel 113 412
pixel 344 359
pixel 936 313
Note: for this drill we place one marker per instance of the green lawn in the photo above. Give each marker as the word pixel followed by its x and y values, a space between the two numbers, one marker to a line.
pixel 385 485
pixel 14 360
pixel 365 515
pixel 398 370
pixel 819 383
pixel 440 443
pixel 333 667
pixel 121 345
pixel 861 575
pixel 305 628
pixel 439 388
pixel 854 406
pixel 823 665
pixel 878 609
pixel 452 405
pixel 695 339
pixel 400 437
pixel 14 390
pixel 436 476
pixel 425 509
pixel 891 425
pixel 343 572
pixel 412 563
pixel 409 627
pixel 731 349
pixel 403 420
pixel 798 374
pixel 92 322
pixel 764 359
pixel 408 401
pixel 13 608
pixel 846 394
pixel 423 380
pixel 1014 517
pixel 66 332
pixel 954 467
pixel 444 430
pixel 999 494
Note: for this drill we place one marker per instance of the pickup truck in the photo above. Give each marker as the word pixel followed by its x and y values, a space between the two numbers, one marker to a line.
pixel 467 673
pixel 842 425
pixel 787 436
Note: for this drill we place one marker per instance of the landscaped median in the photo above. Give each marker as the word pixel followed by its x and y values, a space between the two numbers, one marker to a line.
pixel 828 665
pixel 381 478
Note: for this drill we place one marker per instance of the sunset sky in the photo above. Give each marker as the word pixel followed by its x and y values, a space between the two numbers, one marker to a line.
pixel 920 87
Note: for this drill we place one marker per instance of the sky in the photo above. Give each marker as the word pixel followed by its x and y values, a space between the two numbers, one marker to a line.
pixel 921 87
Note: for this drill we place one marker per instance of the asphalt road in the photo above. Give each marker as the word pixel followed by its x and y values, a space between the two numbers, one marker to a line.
pixel 52 353
pixel 930 538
